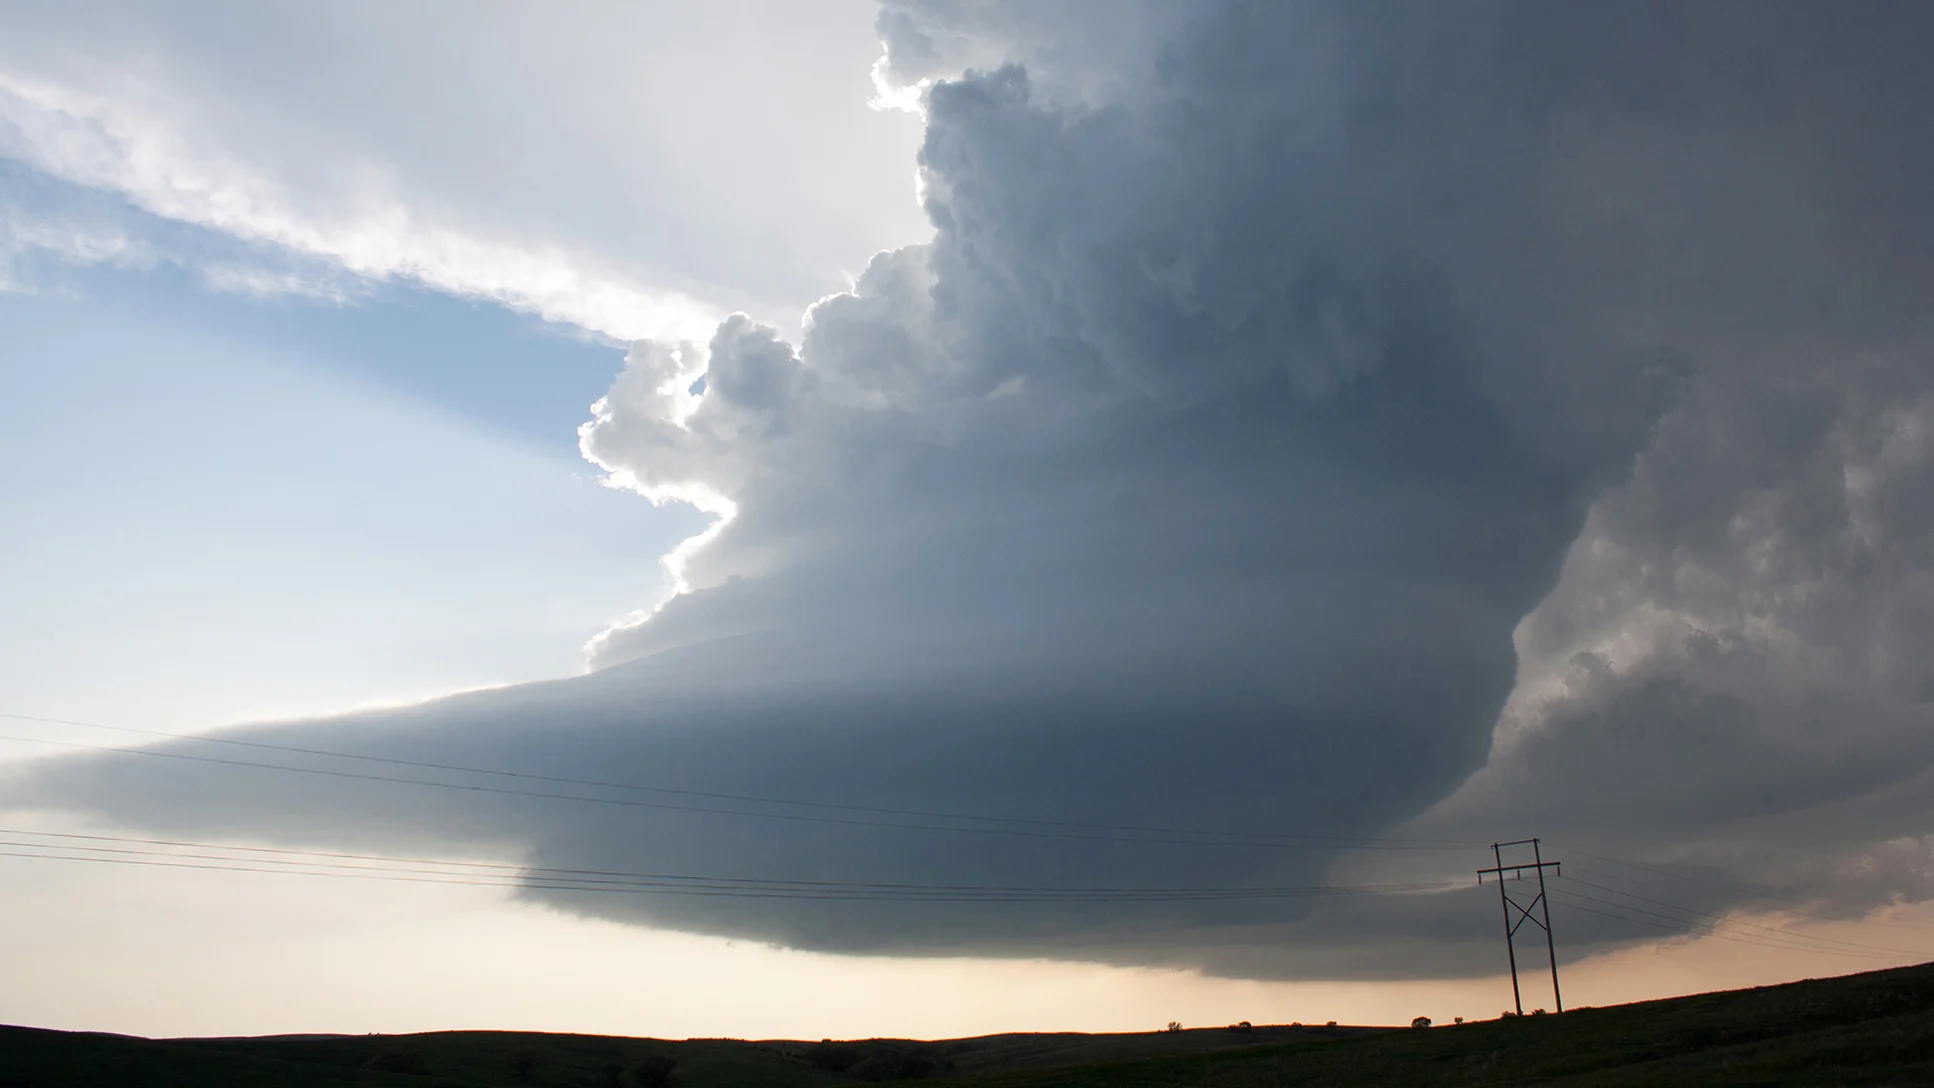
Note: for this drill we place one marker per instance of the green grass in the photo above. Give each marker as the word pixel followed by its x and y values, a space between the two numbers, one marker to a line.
pixel 1870 1029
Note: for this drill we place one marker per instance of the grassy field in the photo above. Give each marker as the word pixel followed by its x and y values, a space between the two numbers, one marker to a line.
pixel 1869 1029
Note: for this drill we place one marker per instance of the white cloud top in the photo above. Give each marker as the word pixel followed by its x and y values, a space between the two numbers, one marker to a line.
pixel 1284 387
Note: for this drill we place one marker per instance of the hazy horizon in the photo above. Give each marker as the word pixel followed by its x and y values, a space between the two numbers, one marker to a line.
pixel 916 518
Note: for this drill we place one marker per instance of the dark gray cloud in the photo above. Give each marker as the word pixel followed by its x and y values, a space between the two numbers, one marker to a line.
pixel 1734 667
pixel 1271 364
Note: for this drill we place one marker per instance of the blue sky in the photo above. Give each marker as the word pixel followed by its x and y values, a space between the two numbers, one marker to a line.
pixel 1349 439
pixel 275 445
pixel 229 507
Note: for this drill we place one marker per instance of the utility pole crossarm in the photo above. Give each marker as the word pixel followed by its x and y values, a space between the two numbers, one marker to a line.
pixel 1502 869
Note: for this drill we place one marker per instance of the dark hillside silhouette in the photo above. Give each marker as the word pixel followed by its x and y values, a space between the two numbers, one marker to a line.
pixel 1873 1028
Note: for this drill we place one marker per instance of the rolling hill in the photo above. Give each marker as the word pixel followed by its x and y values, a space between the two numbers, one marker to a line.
pixel 1875 1028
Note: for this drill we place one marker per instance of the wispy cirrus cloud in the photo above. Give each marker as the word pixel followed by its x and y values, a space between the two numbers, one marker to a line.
pixel 134 151
pixel 568 168
pixel 1283 389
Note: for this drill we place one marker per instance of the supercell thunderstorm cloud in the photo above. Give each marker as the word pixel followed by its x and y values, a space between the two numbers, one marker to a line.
pixel 1318 423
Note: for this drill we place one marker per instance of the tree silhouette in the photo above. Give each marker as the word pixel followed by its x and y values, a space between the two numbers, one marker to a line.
pixel 522 1063
pixel 653 1071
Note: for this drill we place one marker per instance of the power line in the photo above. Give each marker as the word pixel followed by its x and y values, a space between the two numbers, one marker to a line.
pixel 1715 885
pixel 1702 926
pixel 303 863
pixel 1696 927
pixel 656 805
pixel 1735 889
pixel 1713 929
pixel 1714 936
pixel 518 869
pixel 710 883
pixel 1726 920
pixel 165 853
pixel 507 875
pixel 1709 933
pixel 1209 838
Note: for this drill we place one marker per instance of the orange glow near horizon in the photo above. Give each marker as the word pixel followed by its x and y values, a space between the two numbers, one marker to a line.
pixel 215 953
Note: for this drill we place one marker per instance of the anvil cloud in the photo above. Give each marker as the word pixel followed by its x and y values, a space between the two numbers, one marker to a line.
pixel 1317 419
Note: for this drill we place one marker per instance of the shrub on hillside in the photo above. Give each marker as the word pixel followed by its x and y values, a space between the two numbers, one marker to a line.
pixel 915 1065
pixel 880 1059
pixel 653 1071
pixel 523 1063
pixel 837 1057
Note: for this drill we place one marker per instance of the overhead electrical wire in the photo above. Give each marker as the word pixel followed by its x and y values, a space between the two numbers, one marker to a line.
pixel 1693 928
pixel 170 853
pixel 518 868
pixel 667 806
pixel 1737 889
pixel 167 853
pixel 1715 926
pixel 1708 934
pixel 1726 920
pixel 1678 931
pixel 1732 889
pixel 503 875
pixel 1020 826
pixel 137 851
